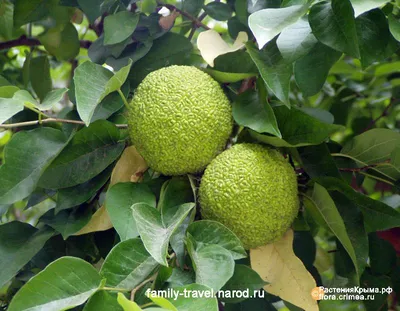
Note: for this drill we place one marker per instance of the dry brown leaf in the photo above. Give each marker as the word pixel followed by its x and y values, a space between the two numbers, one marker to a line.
pixel 100 221
pixel 211 45
pixel 130 167
pixel 277 264
pixel 166 22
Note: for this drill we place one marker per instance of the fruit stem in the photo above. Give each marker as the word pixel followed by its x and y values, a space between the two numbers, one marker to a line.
pixel 123 98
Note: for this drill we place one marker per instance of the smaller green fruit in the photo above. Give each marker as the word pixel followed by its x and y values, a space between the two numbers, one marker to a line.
pixel 252 190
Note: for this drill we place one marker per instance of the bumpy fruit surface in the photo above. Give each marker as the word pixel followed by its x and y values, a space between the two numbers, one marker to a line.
pixel 179 119
pixel 252 190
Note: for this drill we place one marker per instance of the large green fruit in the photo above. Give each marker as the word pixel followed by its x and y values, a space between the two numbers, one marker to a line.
pixel 252 190
pixel 179 119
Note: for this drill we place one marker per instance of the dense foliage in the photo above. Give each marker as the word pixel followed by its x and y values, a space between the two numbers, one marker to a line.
pixel 85 224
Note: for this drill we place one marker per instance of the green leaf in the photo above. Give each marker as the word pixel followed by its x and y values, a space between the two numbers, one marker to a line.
pixel 63 44
pixel 19 242
pixel 333 24
pixel 228 77
pixel 39 75
pixel 208 232
pixel 375 147
pixel 254 304
pixel 353 220
pixel 26 11
pixel 320 114
pixel 103 301
pixel 27 156
pixel 296 40
pixel 323 209
pixel 318 162
pixel 192 6
pixel 91 8
pixel 394 26
pixel 235 62
pixel 382 254
pixel 286 3
pixel 154 232
pixel 110 104
pixel 195 303
pixel 162 302
pixel 74 196
pixel 133 52
pixel 126 304
pixel 67 222
pixel 180 277
pixel 52 98
pixel 298 129
pixel 8 91
pixel 218 11
pixel 72 280
pixel 119 200
pixel 26 68
pixel 311 70
pixel 119 26
pixel 90 81
pixel 377 215
pixel 148 6
pixel 213 264
pixel 373 36
pixel 4 81
pixel 381 298
pixel 253 111
pixel 9 107
pixel 89 152
pixel 7 31
pixel 170 49
pixel 266 24
pixel 92 84
pixel 175 192
pixel 118 79
pixel 275 72
pixel 127 265
pixel 244 279
pixel 362 6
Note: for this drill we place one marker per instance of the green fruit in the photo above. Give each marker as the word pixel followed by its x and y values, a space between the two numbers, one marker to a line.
pixel 252 190
pixel 179 119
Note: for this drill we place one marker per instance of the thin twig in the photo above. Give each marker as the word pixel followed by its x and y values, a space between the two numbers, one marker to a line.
pixel 197 22
pixel 25 41
pixel 377 178
pixel 50 120
pixel 194 27
pixel 364 168
pixel 150 279
pixel 384 114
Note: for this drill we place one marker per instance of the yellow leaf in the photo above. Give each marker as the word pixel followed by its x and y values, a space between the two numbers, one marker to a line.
pixel 130 167
pixel 211 45
pixel 126 304
pixel 277 264
pixel 100 221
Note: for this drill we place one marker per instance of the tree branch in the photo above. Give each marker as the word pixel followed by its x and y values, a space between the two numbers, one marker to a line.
pixel 25 41
pixel 195 21
pixel 50 120
pixel 384 114
pixel 194 27
pixel 364 168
